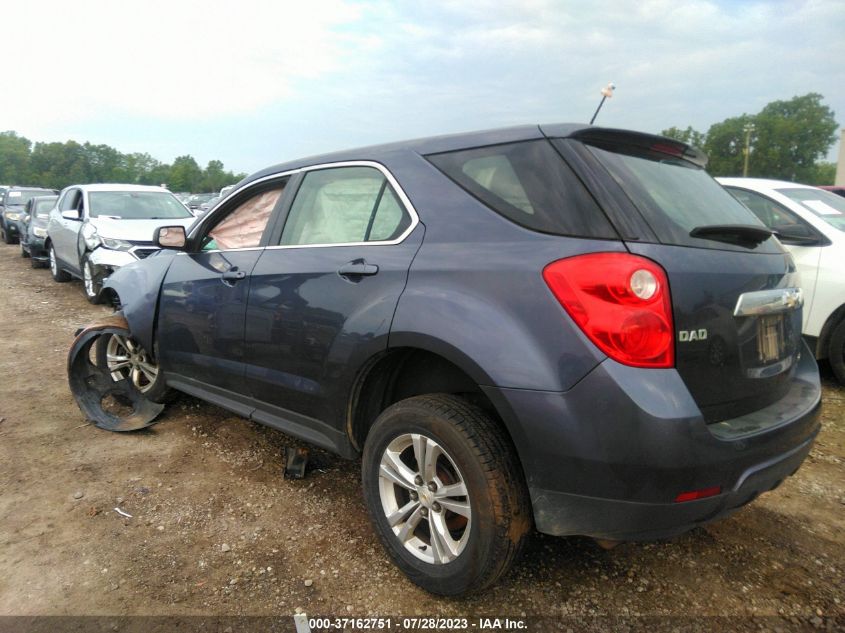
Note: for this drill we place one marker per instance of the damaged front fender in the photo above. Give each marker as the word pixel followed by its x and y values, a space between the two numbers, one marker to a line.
pixel 137 286
pixel 113 405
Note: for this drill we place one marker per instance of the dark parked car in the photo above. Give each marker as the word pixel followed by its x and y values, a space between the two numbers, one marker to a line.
pixel 34 229
pixel 12 212
pixel 197 199
pixel 564 326
pixel 839 190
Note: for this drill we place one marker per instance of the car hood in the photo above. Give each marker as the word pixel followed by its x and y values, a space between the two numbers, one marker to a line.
pixel 135 230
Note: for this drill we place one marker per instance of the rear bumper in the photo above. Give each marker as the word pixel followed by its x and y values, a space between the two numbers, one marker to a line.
pixel 608 457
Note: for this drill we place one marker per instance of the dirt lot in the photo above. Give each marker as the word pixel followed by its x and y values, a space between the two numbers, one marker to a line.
pixel 216 530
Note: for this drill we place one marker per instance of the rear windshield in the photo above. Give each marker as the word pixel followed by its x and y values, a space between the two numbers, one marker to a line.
pixel 530 184
pixel 136 205
pixel 823 204
pixel 22 196
pixel 44 206
pixel 673 195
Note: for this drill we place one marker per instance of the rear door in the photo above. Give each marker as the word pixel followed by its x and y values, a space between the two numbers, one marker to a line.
pixel 735 298
pixel 324 291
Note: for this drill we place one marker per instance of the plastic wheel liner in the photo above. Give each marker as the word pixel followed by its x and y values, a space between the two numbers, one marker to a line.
pixel 114 405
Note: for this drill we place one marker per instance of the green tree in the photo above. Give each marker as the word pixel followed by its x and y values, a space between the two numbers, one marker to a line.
pixel 185 174
pixel 789 139
pixel 688 136
pixel 14 159
pixel 791 136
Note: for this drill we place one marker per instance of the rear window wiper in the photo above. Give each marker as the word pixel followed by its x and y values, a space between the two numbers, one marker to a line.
pixel 747 235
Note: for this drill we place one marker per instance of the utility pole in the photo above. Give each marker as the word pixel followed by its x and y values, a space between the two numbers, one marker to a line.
pixel 748 128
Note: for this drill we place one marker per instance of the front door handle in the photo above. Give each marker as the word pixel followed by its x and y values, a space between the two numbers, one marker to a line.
pixel 233 275
pixel 357 268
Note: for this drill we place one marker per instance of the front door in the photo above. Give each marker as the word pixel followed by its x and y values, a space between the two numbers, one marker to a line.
pixel 204 294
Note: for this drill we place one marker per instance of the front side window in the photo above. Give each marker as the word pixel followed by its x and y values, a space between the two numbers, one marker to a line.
pixel 345 205
pixel 244 225
pixel 770 213
pixel 71 200
pixel 136 205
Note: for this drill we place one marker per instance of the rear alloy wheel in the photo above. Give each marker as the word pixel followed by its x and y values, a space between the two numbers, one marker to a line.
pixel 92 281
pixel 125 359
pixel 445 493
pixel 58 274
pixel 836 352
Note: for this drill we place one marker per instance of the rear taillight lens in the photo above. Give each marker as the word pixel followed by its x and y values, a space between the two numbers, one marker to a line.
pixel 621 302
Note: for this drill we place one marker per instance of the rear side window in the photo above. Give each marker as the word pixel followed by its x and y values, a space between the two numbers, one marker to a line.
pixel 530 184
pixel 673 195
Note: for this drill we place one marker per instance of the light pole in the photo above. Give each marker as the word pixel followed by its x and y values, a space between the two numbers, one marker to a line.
pixel 606 93
pixel 748 128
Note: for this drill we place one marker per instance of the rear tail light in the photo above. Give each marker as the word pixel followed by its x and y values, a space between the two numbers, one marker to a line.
pixel 621 302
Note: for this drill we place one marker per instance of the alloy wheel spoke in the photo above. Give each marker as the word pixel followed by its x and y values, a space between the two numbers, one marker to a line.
pixel 458 507
pixel 393 469
pixel 445 548
pixel 149 370
pixel 402 513
pixel 451 490
pixel 407 530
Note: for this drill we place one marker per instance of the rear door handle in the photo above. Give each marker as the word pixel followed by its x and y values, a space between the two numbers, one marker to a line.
pixel 357 268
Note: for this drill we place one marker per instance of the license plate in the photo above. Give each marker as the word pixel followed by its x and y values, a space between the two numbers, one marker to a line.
pixel 770 338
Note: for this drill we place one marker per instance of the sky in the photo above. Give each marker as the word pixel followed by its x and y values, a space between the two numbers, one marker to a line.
pixel 257 83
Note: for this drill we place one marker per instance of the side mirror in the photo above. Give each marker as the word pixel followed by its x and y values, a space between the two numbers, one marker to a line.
pixel 70 214
pixel 796 234
pixel 170 237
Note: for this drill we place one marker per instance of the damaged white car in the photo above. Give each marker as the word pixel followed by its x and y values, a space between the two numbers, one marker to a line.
pixel 95 229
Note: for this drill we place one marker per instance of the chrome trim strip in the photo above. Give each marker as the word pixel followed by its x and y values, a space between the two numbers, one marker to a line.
pixel 406 202
pixel 769 301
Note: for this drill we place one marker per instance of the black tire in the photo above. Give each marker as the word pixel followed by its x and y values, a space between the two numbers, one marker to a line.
pixel 7 235
pixel 59 275
pixel 24 252
pixel 836 352
pixel 157 391
pixel 92 287
pixel 486 462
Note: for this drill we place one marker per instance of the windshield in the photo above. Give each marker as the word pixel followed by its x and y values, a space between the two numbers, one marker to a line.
pixel 136 205
pixel 22 196
pixel 823 204
pixel 673 195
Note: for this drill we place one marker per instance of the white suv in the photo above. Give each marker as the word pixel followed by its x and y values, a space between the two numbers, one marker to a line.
pixel 95 229
pixel 810 222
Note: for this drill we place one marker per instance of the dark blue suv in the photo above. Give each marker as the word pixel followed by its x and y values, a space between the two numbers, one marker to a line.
pixel 563 326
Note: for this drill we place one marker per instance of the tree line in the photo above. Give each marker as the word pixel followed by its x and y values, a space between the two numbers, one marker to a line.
pixel 788 140
pixel 57 165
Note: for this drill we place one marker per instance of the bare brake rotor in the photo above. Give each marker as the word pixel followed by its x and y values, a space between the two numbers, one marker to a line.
pixel 113 405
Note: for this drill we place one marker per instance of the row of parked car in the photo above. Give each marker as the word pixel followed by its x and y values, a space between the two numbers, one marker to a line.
pixel 88 231
pixel 566 327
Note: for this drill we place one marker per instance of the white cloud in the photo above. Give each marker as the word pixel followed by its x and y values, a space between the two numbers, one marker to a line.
pixel 183 60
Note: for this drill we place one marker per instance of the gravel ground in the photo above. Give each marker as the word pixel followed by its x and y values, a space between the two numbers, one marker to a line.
pixel 216 530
